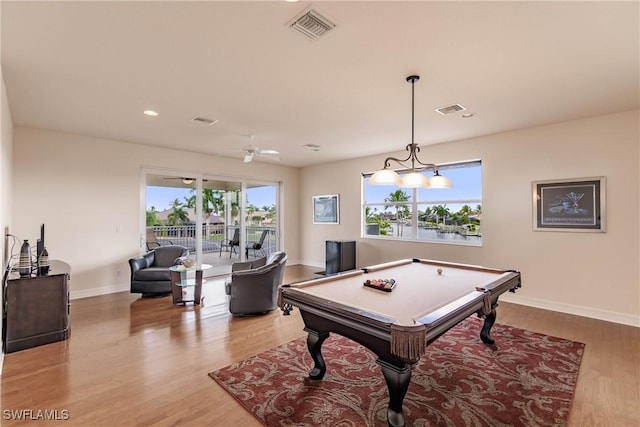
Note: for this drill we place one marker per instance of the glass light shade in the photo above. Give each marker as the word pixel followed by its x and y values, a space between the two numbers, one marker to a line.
pixel 385 177
pixel 439 181
pixel 415 180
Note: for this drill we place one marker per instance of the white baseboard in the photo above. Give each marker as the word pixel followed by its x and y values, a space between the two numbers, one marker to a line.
pixel 594 313
pixel 94 292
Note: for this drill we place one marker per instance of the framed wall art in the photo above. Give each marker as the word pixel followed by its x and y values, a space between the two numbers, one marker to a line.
pixel 326 209
pixel 569 205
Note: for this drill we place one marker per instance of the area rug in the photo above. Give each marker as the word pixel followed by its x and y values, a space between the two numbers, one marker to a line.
pixel 525 379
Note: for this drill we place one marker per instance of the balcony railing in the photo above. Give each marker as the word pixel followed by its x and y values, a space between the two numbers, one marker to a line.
pixel 212 236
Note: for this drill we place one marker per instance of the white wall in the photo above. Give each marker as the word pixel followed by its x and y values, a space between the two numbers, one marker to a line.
pixel 6 143
pixel 87 192
pixel 85 189
pixel 592 274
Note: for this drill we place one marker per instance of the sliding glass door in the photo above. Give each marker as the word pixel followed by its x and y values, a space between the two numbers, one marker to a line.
pixel 220 221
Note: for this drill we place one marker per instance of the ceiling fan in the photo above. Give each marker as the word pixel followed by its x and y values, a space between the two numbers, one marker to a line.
pixel 251 150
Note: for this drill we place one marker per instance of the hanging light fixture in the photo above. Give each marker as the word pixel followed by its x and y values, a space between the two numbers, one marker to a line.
pixel 414 178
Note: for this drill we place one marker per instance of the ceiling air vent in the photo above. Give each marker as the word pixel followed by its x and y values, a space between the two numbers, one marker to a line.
pixel 311 24
pixel 450 109
pixel 200 119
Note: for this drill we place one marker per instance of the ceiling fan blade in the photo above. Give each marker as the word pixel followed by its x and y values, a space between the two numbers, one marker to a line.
pixel 270 152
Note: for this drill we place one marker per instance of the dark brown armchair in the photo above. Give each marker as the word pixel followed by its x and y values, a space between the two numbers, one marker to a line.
pixel 150 274
pixel 253 287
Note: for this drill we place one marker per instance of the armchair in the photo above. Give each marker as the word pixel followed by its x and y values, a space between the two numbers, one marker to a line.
pixel 150 274
pixel 253 287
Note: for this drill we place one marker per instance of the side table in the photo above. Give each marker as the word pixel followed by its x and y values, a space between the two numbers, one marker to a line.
pixel 186 277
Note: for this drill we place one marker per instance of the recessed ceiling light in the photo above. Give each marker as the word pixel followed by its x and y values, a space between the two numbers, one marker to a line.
pixel 150 113
pixel 467 115
pixel 312 147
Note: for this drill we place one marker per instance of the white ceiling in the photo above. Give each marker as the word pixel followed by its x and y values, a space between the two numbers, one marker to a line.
pixel 91 68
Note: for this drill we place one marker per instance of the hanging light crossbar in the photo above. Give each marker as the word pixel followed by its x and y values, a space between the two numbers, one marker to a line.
pixel 414 178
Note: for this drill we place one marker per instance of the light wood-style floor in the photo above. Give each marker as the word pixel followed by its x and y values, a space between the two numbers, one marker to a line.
pixel 133 361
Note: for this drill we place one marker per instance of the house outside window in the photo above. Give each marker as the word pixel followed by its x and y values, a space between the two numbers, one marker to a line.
pixel 451 216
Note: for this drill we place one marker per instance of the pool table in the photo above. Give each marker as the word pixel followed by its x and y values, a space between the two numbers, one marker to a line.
pixel 429 298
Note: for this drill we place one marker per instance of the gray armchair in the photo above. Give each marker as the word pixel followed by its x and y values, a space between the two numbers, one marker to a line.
pixel 150 274
pixel 253 285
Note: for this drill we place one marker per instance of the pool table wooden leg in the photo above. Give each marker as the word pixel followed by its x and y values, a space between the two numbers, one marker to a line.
pixel 398 380
pixel 314 344
pixel 489 320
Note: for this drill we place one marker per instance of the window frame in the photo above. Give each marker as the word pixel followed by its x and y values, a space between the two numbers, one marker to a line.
pixel 414 205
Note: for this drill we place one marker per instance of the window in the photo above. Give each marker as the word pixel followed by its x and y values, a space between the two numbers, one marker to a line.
pixel 422 214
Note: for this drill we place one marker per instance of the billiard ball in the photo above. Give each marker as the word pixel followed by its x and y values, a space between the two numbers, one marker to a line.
pixel 439 271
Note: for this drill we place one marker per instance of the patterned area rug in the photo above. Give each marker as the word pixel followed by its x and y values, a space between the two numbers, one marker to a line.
pixel 525 379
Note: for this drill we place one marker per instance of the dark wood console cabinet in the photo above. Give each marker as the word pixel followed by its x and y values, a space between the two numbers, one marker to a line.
pixel 35 309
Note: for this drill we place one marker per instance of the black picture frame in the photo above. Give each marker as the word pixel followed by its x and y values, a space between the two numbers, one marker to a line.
pixel 569 205
pixel 326 209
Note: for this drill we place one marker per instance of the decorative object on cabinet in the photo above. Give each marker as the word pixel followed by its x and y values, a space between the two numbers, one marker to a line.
pixel 24 265
pixel 43 262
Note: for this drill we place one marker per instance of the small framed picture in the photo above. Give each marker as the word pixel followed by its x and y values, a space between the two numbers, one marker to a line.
pixel 326 209
pixel 569 205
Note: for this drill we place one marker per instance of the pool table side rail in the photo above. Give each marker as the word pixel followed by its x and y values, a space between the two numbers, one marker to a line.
pixel 391 264
pixel 442 319
pixel 313 282
pixel 297 297
pixel 460 266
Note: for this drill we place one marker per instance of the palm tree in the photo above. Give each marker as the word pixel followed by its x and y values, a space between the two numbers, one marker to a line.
pixel 397 197
pixel 250 210
pixel 235 204
pixel 441 212
pixel 464 212
pixel 178 215
pixel 271 212
pixel 212 203
pixel 426 215
pixel 152 217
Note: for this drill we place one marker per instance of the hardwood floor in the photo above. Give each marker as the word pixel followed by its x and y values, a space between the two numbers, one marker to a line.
pixel 133 361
